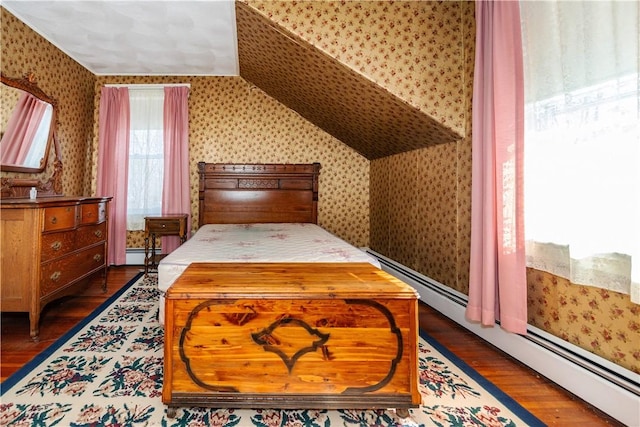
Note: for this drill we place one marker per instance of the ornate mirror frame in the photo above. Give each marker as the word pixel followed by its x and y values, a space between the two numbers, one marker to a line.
pixel 19 187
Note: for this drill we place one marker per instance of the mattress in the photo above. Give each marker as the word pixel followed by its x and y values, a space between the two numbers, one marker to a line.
pixel 276 242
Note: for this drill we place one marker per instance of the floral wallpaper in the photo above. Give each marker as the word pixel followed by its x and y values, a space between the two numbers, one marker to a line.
pixel 24 51
pixel 413 207
pixel 232 121
pixel 411 48
pixel 418 51
pixel 420 201
pixel 356 110
pixel 598 320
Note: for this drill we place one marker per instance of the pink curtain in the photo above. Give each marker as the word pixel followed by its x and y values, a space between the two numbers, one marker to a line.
pixel 21 129
pixel 497 288
pixel 113 165
pixel 175 187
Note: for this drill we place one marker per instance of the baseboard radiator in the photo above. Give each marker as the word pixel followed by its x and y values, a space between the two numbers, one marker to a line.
pixel 605 385
pixel 135 256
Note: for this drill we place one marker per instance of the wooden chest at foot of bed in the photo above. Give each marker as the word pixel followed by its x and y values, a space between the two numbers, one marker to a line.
pixel 290 336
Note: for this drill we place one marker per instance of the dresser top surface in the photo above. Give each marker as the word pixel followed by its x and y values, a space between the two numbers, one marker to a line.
pixel 43 202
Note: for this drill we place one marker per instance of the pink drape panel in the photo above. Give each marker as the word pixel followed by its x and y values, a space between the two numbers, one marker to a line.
pixel 175 186
pixel 497 289
pixel 21 129
pixel 113 165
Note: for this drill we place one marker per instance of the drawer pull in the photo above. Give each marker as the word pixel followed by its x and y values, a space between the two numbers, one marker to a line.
pixel 54 220
pixel 89 214
pixel 98 233
pixel 97 257
pixel 56 245
pixel 56 276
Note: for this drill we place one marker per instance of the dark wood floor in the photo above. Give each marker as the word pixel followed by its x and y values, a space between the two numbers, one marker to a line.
pixel 550 403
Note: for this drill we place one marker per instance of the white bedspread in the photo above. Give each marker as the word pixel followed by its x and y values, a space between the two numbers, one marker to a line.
pixel 257 243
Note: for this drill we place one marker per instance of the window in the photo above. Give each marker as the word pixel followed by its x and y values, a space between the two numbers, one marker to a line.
pixel 582 142
pixel 146 159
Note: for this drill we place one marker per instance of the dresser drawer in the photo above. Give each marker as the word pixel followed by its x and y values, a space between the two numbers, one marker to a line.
pixel 55 245
pixel 61 272
pixel 93 213
pixel 59 218
pixel 91 234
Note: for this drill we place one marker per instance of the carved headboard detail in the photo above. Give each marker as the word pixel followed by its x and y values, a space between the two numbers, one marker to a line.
pixel 258 193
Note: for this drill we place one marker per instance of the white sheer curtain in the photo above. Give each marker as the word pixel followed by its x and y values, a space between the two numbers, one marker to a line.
pixel 582 144
pixel 146 164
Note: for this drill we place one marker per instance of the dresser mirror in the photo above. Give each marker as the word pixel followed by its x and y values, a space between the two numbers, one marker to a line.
pixel 28 133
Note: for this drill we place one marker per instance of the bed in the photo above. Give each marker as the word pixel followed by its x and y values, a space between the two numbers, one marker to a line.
pixel 261 288
pixel 257 213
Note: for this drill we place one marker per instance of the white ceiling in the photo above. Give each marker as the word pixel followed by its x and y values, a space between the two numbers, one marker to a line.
pixel 138 37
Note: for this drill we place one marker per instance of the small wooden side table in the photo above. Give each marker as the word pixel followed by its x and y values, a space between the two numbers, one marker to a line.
pixel 157 226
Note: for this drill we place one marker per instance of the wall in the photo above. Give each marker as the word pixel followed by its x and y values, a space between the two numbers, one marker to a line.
pixel 411 48
pixel 420 213
pixel 419 51
pixel 23 50
pixel 231 121
pixel 598 320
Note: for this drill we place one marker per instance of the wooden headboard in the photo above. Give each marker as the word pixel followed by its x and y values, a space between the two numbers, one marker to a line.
pixel 258 193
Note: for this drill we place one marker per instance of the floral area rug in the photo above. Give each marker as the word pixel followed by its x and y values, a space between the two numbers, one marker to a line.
pixel 108 372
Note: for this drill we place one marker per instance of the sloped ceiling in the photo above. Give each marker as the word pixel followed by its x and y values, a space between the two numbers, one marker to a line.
pixel 331 95
pixel 337 99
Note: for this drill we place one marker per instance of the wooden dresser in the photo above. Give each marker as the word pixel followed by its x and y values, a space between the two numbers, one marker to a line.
pixel 49 246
